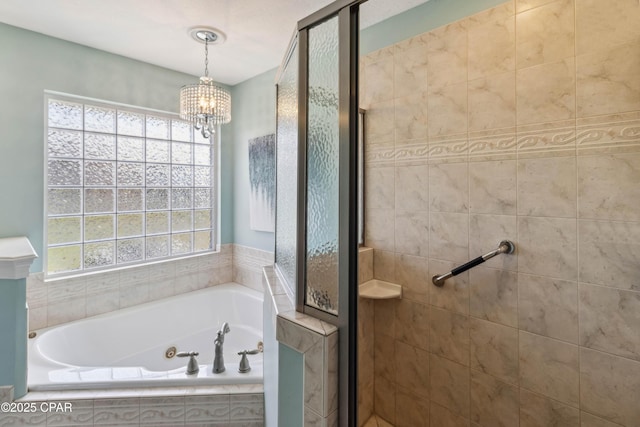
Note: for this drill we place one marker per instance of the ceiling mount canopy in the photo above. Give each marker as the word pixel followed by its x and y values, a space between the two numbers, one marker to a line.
pixel 205 104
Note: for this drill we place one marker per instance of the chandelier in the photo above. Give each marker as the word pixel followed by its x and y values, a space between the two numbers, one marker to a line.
pixel 205 104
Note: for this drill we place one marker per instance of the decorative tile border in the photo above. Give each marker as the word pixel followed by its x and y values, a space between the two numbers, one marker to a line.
pixel 247 265
pixel 547 139
pixel 498 144
pixel 619 133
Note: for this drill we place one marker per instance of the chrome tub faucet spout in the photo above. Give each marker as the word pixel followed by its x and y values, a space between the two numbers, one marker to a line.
pixel 218 360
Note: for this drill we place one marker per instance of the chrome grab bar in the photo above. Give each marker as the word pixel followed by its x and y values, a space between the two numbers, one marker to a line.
pixel 505 247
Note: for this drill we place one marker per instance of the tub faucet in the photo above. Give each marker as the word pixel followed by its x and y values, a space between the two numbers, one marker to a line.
pixel 218 360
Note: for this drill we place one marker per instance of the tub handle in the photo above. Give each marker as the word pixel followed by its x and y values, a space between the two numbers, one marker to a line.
pixel 244 361
pixel 192 366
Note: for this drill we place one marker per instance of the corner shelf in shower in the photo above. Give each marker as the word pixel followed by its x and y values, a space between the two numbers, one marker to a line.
pixel 379 289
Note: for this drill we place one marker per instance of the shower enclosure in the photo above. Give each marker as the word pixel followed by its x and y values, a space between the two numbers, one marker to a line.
pixel 317 178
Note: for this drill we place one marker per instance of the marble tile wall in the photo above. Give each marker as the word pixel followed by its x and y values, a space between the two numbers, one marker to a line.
pixel 365 340
pixel 523 123
pixel 239 405
pixel 63 300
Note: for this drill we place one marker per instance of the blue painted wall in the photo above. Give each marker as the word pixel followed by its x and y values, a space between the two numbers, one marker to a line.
pixel 254 114
pixel 13 335
pixel 291 387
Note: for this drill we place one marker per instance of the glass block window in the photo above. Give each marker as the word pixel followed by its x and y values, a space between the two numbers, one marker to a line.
pixel 124 185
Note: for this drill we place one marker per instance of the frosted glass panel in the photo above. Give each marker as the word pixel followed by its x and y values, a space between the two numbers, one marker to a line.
pixel 62 201
pixel 181 198
pixel 158 176
pixel 98 119
pixel 181 176
pixel 130 199
pixel 63 114
pixel 203 198
pixel 157 199
pixel 181 220
pixel 99 173
pixel 130 225
pixel 99 227
pixel 181 153
pixel 202 154
pixel 99 146
pixel 157 246
pixel 202 176
pixel 322 168
pixel 64 172
pixel 181 131
pixel 99 200
pixel 157 127
pixel 64 143
pixel 99 254
pixel 157 222
pixel 202 241
pixel 131 174
pixel 131 149
pixel 64 258
pixel 130 123
pixel 64 230
pixel 130 250
pixel 157 151
pixel 287 170
pixel 180 243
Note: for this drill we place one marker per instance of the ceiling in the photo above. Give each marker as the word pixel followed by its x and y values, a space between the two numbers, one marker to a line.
pixel 157 31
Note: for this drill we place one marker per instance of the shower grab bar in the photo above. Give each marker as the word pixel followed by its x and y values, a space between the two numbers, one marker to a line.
pixel 505 247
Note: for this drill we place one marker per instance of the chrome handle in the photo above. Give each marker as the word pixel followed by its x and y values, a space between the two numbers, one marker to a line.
pixel 505 247
pixel 244 361
pixel 192 366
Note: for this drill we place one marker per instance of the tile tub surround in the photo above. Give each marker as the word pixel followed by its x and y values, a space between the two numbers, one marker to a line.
pixel 318 342
pixel 523 123
pixel 239 405
pixel 63 300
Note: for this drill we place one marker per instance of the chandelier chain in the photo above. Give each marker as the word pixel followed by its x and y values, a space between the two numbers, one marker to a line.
pixel 206 57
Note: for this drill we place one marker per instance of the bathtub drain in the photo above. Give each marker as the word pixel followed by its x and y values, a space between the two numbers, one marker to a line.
pixel 171 351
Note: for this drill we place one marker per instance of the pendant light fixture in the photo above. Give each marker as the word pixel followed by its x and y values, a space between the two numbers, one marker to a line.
pixel 205 104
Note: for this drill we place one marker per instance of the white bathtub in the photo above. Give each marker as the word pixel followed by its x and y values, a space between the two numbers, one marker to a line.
pixel 126 348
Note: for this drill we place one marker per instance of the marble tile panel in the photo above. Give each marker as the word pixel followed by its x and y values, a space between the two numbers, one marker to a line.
pixel 365 264
pixel 380 188
pixel 547 247
pixel 37 318
pixel 549 367
pixel 447 110
pixel 553 139
pixel 313 378
pixel 247 407
pixel 449 188
pixel 411 152
pixel 447 55
pixel 378 55
pixel 539 411
pixel 385 399
pixel 494 349
pixel 448 149
pixel 412 323
pixel 546 92
pixel 450 385
pixel 607 81
pixel 80 415
pixel 379 123
pixel 449 335
pixel 609 253
pixel 207 409
pixel 492 47
pixel 601 26
pixel 588 420
pixel 612 133
pixel 485 234
pixel 492 187
pixel 607 187
pixel 493 403
pixel 384 358
pixel 412 188
pixel 410 69
pixel 102 303
pixel 64 311
pixel 330 374
pixel 609 387
pixel 412 233
pixel 494 295
pixel 449 236
pixel 492 145
pixel 36 291
pixel 6 393
pixel 66 289
pixel 545 34
pixel 412 273
pixel 18 419
pixel 502 11
pixel 379 78
pixel 454 295
pixel 411 117
pixel 385 317
pixel 550 179
pixel 380 155
pixel 410 410
pixel 377 232
pixel 610 320
pixel 412 369
pixel 116 412
pixel 442 417
pixel 162 410
pixel 548 307
pixel 523 5
pixel 384 266
pixel 295 336
pixel 492 102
